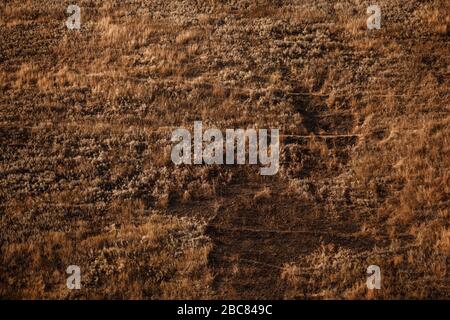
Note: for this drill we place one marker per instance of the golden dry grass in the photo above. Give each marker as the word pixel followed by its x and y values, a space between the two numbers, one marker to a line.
pixel 86 175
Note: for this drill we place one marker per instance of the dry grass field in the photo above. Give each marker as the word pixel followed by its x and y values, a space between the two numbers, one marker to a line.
pixel 86 177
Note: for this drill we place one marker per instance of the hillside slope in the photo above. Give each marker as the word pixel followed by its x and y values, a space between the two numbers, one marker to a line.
pixel 87 179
